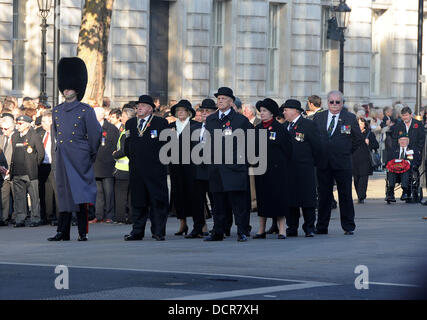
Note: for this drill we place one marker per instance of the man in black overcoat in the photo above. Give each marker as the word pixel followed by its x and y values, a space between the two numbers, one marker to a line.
pixel 147 175
pixel 229 183
pixel 340 136
pixel 306 153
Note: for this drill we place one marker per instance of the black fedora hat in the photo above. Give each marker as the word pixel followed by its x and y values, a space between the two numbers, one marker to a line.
pixel 208 104
pixel 72 75
pixel 225 91
pixel 185 104
pixel 293 104
pixel 269 104
pixel 147 100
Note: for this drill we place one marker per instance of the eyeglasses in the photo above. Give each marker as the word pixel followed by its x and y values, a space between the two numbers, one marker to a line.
pixel 334 101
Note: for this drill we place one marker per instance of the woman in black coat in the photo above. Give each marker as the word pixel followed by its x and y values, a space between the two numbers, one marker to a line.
pixel 362 160
pixel 181 175
pixel 272 186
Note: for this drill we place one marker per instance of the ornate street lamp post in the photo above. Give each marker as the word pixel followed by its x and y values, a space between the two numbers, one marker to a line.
pixel 44 9
pixel 342 14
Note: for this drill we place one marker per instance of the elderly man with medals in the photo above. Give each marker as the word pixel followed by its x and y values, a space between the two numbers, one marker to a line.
pixel 147 175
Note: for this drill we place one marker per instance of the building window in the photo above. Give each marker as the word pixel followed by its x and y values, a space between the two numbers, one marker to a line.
pixel 18 45
pixel 273 49
pixel 330 55
pixel 217 44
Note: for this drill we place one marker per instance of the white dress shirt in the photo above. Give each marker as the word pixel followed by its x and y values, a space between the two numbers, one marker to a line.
pixel 294 121
pixel 226 113
pixel 145 122
pixel 330 115
pixel 47 150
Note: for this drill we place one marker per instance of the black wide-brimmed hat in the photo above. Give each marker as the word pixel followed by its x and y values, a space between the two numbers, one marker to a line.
pixel 72 75
pixel 185 104
pixel 269 104
pixel 293 104
pixel 208 104
pixel 225 91
pixel 147 100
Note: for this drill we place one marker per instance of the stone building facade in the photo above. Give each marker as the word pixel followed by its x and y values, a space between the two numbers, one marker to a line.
pixel 188 48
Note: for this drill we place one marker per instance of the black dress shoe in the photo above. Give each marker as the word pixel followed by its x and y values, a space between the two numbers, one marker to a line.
pixel 292 234
pixel 214 237
pixel 205 234
pixel 259 235
pixel 183 231
pixel 321 231
pixel 19 225
pixel 3 223
pixel 82 237
pixel 132 237
pixel 194 235
pixel 35 224
pixel 281 236
pixel 273 230
pixel 309 235
pixel 242 237
pixel 59 236
pixel 158 237
pixel 349 233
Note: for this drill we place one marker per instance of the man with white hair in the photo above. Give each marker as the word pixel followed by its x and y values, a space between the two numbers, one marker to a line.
pixel 249 111
pixel 104 169
pixel 340 136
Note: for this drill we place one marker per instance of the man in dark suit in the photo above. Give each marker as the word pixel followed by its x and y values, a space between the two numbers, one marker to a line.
pixel 27 155
pixel 403 152
pixel 8 128
pixel 147 175
pixel 200 172
pixel 47 186
pixel 104 169
pixel 340 137
pixel 229 183
pixel 306 152
pixel 412 127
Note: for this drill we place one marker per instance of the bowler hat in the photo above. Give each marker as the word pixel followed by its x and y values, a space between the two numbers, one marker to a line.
pixel 185 104
pixel 293 104
pixel 72 75
pixel 147 100
pixel 24 118
pixel 225 91
pixel 269 104
pixel 208 104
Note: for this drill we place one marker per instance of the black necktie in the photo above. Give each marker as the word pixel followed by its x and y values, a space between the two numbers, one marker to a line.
pixel 222 116
pixel 141 124
pixel 331 126
pixel 402 154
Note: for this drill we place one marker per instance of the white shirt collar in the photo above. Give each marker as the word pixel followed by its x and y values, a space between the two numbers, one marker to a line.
pixel 226 113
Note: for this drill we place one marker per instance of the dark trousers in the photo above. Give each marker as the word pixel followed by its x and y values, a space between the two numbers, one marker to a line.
pixel 104 198
pixel 237 201
pixel 7 198
pixel 64 220
pixel 158 218
pixel 122 199
pixel 47 190
pixel 404 179
pixel 361 185
pixel 201 188
pixel 292 220
pixel 343 179
pixel 21 186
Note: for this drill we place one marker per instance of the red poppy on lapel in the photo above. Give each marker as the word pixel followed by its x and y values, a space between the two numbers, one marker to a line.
pixel 296 127
pixel 104 133
pixel 228 123
pixel 270 127
pixel 148 124
pixel 416 126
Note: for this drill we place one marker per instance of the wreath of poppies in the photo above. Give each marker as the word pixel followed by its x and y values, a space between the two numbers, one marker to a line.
pixel 398 167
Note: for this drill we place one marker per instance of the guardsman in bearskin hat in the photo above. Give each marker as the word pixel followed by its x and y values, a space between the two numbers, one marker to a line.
pixel 147 175
pixel 306 153
pixel 77 133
